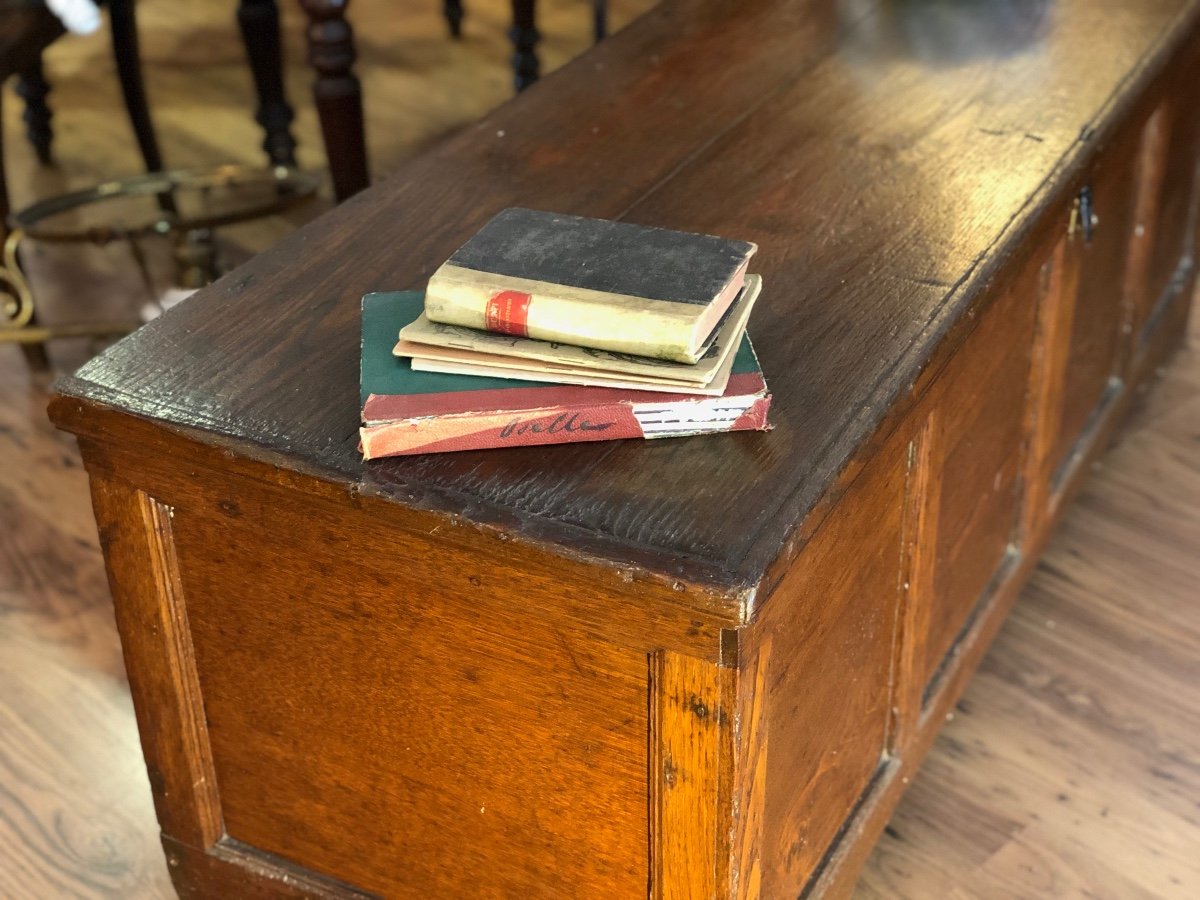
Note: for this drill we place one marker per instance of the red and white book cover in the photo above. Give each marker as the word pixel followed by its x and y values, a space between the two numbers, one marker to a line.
pixel 406 412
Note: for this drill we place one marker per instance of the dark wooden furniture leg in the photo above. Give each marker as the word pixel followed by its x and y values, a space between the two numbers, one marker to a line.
pixel 453 11
pixel 129 70
pixel 600 19
pixel 33 87
pixel 259 21
pixel 338 94
pixel 524 36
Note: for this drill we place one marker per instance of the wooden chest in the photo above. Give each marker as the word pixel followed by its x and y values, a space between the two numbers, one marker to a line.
pixel 683 669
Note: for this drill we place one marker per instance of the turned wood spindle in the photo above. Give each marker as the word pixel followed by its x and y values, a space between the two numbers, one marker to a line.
pixel 259 22
pixel 524 36
pixel 338 94
pixel 32 87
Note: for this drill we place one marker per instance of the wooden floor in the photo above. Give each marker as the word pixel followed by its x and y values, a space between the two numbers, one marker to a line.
pixel 1070 769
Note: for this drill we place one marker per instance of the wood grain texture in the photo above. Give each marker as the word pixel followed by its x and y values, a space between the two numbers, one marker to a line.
pixel 918 571
pixel 825 707
pixel 136 536
pixel 617 603
pixel 1067 768
pixel 949 201
pixel 691 764
pixel 869 821
pixel 978 412
pixel 367 696
pixel 750 803
pixel 1056 285
pixel 1151 171
pixel 964 556
pixel 525 752
pixel 76 818
pixel 1174 222
pixel 230 869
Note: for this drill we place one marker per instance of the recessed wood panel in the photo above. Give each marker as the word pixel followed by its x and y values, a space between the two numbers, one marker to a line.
pixel 1140 295
pixel 819 732
pixel 1101 252
pixel 1173 216
pixel 978 407
pixel 1164 231
pixel 386 712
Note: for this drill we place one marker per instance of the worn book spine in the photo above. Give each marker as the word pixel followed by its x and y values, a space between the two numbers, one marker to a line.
pixel 563 424
pixel 563 314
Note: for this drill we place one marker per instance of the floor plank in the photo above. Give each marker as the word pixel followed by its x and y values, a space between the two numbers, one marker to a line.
pixel 1071 767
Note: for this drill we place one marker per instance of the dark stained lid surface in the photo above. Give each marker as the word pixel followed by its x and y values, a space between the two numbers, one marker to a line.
pixel 885 158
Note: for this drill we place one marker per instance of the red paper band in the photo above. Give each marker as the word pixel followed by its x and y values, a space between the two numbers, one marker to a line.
pixel 508 313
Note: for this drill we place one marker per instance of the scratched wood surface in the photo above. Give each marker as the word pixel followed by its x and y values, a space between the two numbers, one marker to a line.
pixel 430 710
pixel 59 654
pixel 879 213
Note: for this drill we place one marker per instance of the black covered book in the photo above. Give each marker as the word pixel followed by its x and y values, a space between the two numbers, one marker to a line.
pixel 592 283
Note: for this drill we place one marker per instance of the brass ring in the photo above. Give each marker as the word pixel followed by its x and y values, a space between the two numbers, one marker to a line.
pixel 291 185
pixel 16 299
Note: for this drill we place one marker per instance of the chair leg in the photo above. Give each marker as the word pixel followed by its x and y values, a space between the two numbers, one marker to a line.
pixel 600 19
pixel 524 36
pixel 129 70
pixel 338 94
pixel 453 11
pixel 259 21
pixel 33 87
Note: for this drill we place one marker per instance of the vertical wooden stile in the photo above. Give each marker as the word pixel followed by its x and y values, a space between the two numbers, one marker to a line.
pixel 151 614
pixel 692 713
pixel 919 551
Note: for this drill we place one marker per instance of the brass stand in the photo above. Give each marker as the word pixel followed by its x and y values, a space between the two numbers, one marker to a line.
pixel 192 234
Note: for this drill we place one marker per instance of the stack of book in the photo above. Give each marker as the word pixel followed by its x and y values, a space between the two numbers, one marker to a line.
pixel 546 329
